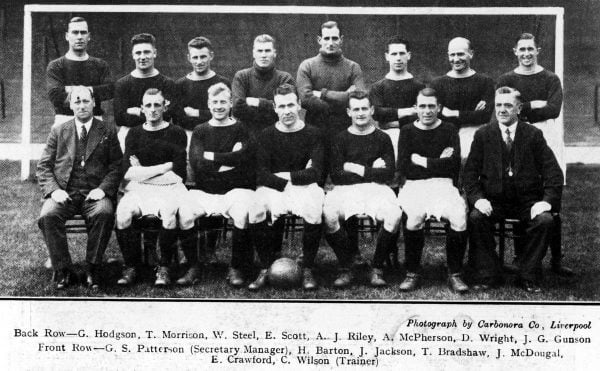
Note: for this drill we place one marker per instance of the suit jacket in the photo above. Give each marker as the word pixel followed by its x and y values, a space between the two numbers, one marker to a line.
pixel 103 158
pixel 537 176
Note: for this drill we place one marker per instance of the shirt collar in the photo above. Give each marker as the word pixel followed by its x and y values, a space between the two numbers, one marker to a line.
pixel 512 129
pixel 79 124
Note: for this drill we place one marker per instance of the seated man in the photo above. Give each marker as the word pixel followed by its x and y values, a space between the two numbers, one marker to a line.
pixel 289 165
pixel 224 185
pixel 511 173
pixel 79 173
pixel 154 166
pixel 429 159
pixel 362 162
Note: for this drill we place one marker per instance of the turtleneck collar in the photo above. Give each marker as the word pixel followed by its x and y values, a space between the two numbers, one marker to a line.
pixel 331 58
pixel 264 73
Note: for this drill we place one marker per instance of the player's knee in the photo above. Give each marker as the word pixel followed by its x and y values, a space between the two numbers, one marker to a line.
pixel 257 213
pixel 168 215
pixel 125 215
pixel 186 217
pixel 239 214
pixel 415 221
pixel 331 218
pixel 458 220
pixel 392 219
pixel 313 213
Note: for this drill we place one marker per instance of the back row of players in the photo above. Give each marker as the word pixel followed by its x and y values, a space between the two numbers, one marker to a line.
pixel 291 157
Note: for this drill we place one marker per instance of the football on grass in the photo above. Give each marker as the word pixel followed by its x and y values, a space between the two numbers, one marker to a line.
pixel 285 273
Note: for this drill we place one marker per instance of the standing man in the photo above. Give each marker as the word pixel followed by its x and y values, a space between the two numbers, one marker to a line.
pixel 324 82
pixel 154 167
pixel 429 159
pixel 75 68
pixel 79 173
pixel 253 87
pixel 130 89
pixel 465 95
pixel 542 95
pixel 224 185
pixel 511 173
pixel 362 163
pixel 289 165
pixel 394 97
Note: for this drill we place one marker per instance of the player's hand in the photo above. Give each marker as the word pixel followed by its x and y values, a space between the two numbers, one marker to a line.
pixel 484 206
pixel 284 175
pixel 252 101
pixel 379 163
pixel 224 168
pixel 317 93
pixel 237 147
pixel 134 161
pixel 135 111
pixel 191 112
pixel 480 106
pixel 95 194
pixel 539 207
pixel 418 160
pixel 537 104
pixel 447 112
pixel 354 168
pixel 308 164
pixel 60 196
pixel 403 112
pixel 210 156
pixel 447 152
pixel 351 88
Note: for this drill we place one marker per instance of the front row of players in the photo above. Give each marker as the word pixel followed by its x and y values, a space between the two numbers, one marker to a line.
pixel 510 172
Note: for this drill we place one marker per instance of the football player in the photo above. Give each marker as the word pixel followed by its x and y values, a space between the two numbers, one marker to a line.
pixel 224 185
pixel 362 163
pixel 289 165
pixel 154 167
pixel 429 159
pixel 466 96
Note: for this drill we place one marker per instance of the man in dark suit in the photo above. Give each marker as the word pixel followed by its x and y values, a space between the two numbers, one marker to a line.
pixel 511 173
pixel 79 173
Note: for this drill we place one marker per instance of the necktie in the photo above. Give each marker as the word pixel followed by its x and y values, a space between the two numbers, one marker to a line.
pixel 508 141
pixel 84 134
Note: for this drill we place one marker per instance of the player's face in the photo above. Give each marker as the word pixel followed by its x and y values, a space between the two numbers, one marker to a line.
pixel 264 54
pixel 200 59
pixel 427 109
pixel 330 40
pixel 82 104
pixel 143 54
pixel 153 107
pixel 459 55
pixel 220 105
pixel 398 57
pixel 360 111
pixel 287 108
pixel 507 108
pixel 526 53
pixel 78 36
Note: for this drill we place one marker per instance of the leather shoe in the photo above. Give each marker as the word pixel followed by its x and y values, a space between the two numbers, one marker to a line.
pixel 91 277
pixel 191 277
pixel 411 281
pixel 62 278
pixel 162 277
pixel 260 281
pixel 127 277
pixel 308 280
pixel 487 284
pixel 457 284
pixel 529 286
pixel 376 278
pixel 235 277
pixel 344 279
pixel 561 270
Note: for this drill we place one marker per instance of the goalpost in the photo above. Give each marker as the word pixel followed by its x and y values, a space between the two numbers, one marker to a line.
pixel 26 146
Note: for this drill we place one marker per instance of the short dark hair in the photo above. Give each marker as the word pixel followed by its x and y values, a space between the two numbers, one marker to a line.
pixel 527 36
pixel 429 92
pixel 199 43
pixel 285 89
pixel 358 94
pixel 329 24
pixel 397 39
pixel 143 38
pixel 509 90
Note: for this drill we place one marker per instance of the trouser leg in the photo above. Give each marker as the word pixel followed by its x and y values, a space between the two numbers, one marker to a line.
pixel 556 240
pixel 100 219
pixel 482 251
pixel 413 249
pixel 310 243
pixel 456 244
pixel 538 234
pixel 52 224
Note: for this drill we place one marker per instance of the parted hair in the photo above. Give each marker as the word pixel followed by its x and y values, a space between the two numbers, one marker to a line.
pixel 143 38
pixel 509 90
pixel 329 24
pixel 218 88
pixel 527 36
pixel 285 89
pixel 397 39
pixel 199 43
pixel 429 92
pixel 358 94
